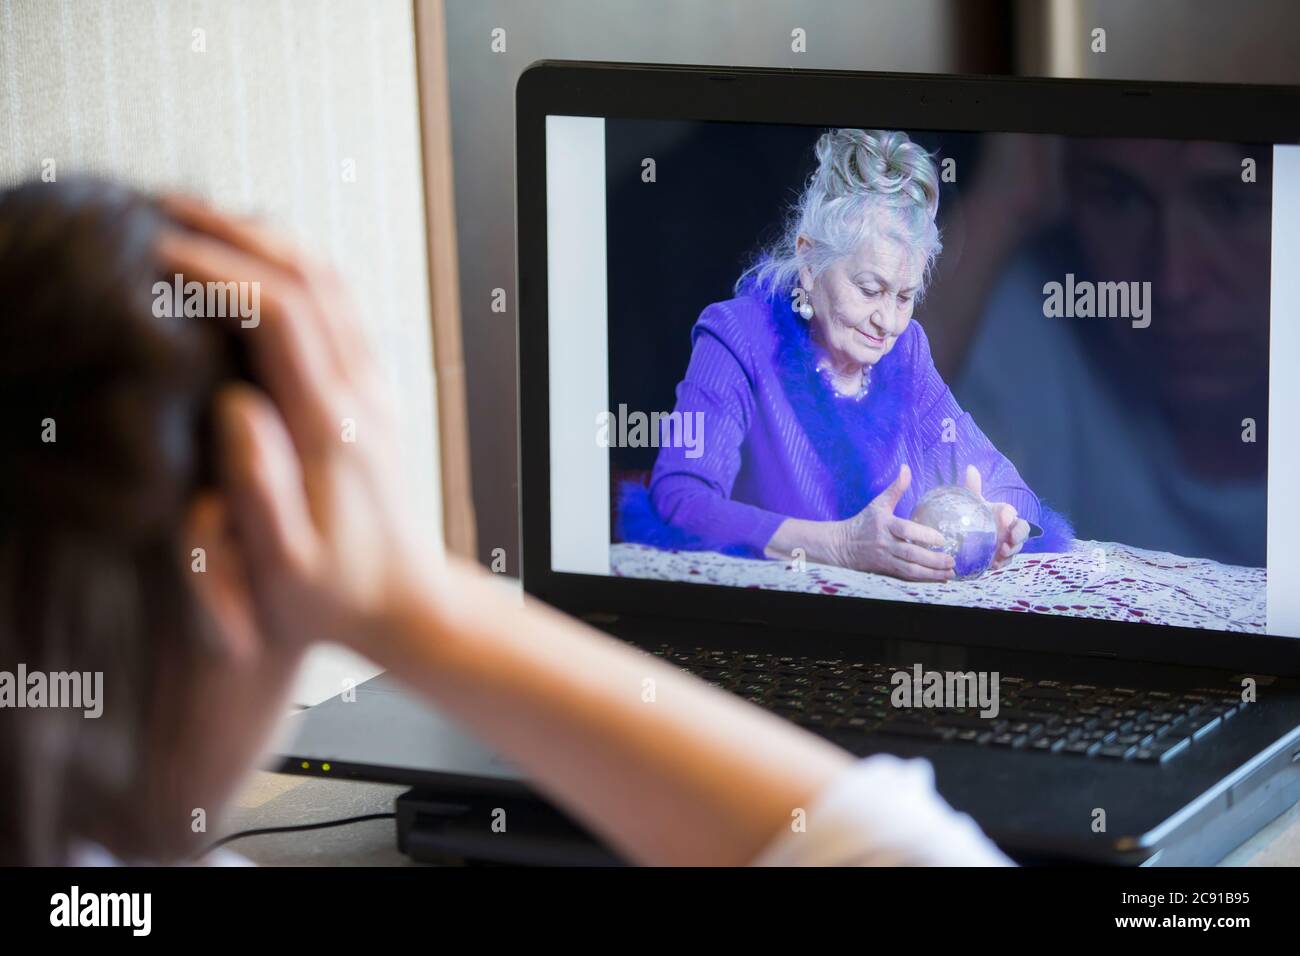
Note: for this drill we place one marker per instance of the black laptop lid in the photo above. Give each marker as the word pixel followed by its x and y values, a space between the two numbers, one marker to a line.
pixel 756 306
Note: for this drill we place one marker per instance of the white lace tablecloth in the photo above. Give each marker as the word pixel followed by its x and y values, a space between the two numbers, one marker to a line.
pixel 1098 579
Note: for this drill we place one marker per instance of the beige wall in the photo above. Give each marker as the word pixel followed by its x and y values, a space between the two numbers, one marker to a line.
pixel 264 120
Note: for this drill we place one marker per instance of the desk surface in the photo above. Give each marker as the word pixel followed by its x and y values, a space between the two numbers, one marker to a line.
pixel 272 800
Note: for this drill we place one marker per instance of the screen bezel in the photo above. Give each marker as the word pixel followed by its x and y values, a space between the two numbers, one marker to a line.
pixel 1247 114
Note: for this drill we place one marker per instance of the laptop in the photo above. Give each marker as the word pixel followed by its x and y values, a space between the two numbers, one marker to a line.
pixel 1081 291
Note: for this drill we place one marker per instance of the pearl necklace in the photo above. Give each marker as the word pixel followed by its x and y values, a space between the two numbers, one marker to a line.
pixel 823 368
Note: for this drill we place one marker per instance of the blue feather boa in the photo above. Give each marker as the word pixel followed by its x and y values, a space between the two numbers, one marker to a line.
pixel 853 440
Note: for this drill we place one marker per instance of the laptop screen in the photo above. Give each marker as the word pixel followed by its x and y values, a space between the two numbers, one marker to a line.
pixel 1021 372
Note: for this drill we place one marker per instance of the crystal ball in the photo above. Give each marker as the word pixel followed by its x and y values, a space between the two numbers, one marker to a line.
pixel 970 533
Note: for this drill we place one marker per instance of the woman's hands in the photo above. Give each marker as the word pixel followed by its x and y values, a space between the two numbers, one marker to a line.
pixel 1012 529
pixel 875 539
pixel 309 468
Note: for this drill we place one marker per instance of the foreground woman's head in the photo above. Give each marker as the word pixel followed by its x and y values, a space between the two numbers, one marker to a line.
pixel 106 430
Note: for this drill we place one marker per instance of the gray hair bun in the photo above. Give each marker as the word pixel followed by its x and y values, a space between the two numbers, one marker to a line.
pixel 882 162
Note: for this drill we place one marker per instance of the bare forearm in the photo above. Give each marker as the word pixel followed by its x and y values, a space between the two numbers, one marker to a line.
pixel 668 769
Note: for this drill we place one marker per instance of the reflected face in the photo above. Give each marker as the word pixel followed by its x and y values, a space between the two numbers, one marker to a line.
pixel 863 302
pixel 1179 215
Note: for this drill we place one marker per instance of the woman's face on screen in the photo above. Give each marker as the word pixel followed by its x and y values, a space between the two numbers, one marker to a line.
pixel 863 302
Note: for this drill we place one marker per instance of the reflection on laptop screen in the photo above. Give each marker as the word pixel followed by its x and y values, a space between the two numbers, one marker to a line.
pixel 1022 372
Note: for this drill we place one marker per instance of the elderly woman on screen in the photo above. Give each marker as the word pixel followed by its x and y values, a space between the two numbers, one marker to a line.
pixel 826 417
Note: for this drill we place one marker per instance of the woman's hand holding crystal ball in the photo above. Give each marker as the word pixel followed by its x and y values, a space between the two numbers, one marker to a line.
pixel 875 539
pixel 1012 529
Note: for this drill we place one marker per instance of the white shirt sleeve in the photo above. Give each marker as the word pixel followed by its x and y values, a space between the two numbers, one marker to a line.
pixel 882 811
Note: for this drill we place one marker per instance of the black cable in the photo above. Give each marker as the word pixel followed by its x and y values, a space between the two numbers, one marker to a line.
pixel 297 828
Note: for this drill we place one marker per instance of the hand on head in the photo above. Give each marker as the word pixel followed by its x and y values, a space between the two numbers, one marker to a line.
pixel 308 535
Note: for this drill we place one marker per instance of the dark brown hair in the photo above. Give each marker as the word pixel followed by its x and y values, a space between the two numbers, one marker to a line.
pixel 104 415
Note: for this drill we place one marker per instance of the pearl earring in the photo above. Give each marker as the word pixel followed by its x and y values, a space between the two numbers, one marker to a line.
pixel 802 305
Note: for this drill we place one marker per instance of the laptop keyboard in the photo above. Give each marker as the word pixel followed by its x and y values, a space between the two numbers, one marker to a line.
pixel 1042 716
